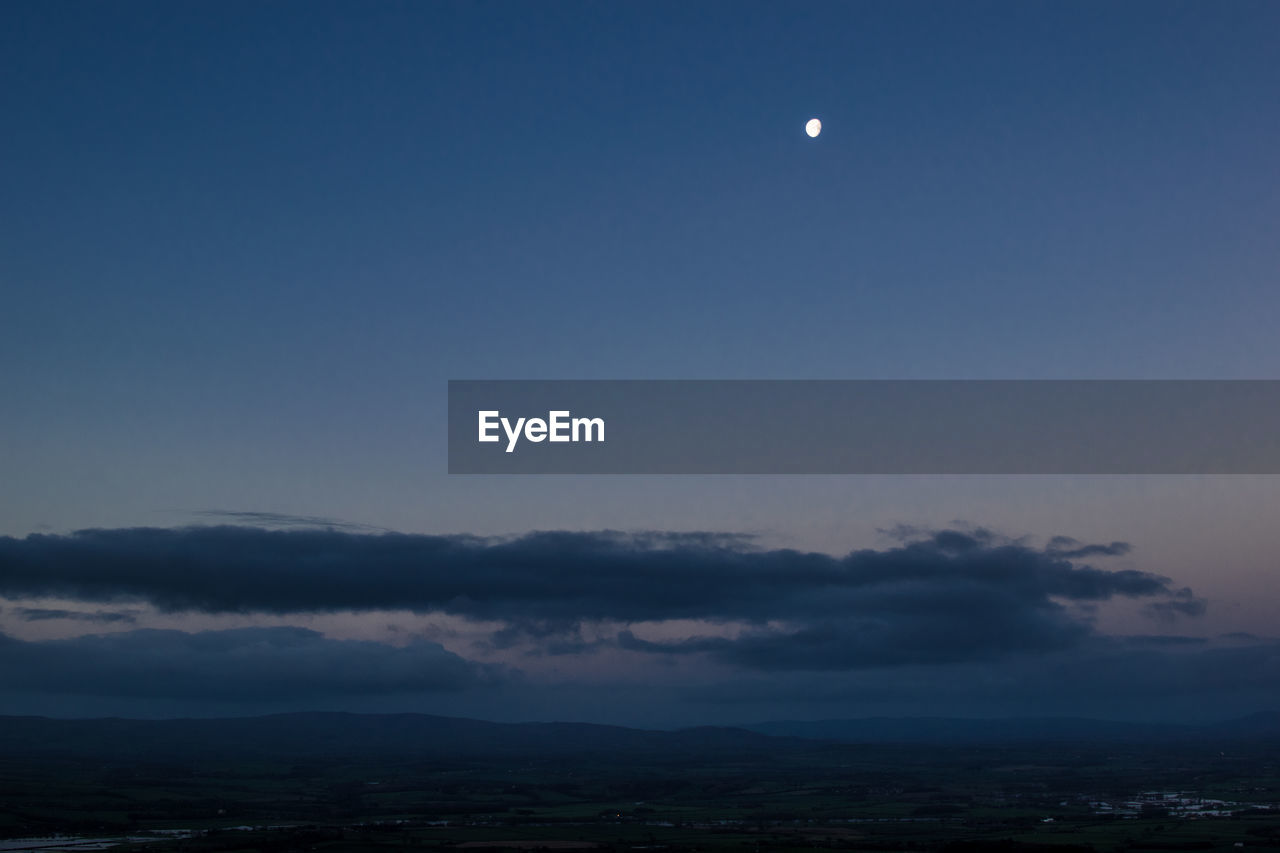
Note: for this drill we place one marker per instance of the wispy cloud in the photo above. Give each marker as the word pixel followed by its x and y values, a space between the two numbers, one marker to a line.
pixel 282 519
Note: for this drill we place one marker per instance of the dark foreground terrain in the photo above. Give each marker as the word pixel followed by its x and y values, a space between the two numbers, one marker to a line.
pixel 332 782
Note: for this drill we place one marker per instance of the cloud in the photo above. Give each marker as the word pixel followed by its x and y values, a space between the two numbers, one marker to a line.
pixel 38 614
pixel 943 596
pixel 550 575
pixel 1105 677
pixel 1182 603
pixel 982 632
pixel 282 519
pixel 1071 549
pixel 959 621
pixel 243 664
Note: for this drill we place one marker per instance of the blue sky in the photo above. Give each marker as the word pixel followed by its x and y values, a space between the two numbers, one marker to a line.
pixel 246 245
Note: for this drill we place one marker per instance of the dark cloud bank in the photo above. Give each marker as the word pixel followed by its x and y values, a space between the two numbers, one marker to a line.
pixel 940 597
pixel 559 577
pixel 952 614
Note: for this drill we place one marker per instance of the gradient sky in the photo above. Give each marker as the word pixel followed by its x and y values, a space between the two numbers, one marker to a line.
pixel 246 245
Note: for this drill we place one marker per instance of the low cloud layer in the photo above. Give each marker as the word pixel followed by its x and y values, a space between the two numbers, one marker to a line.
pixel 1132 677
pixel 245 664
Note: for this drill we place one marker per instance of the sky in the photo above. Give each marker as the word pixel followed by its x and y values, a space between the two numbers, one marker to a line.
pixel 246 246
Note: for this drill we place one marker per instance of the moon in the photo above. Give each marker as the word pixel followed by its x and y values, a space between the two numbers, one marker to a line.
pixel 813 127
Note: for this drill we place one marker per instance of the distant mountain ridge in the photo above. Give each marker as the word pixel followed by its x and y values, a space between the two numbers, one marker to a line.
pixel 337 733
pixel 330 734
pixel 1016 730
